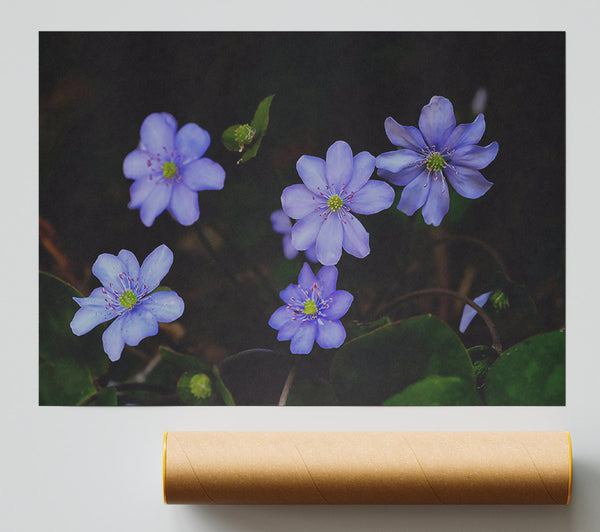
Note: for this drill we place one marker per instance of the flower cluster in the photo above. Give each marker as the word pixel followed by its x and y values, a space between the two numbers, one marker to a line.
pixel 312 311
pixel 168 169
pixel 438 153
pixel 127 294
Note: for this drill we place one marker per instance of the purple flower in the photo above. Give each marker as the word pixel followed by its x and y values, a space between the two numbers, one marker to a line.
pixel 312 311
pixel 127 295
pixel 168 170
pixel 283 225
pixel 438 151
pixel 334 189
pixel 469 312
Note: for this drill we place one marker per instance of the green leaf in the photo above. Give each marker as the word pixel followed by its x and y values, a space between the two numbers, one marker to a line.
pixel 246 137
pixel 194 389
pixel 373 367
pixel 529 373
pixel 437 391
pixel 355 329
pixel 107 397
pixel 311 393
pixel 184 362
pixel 69 364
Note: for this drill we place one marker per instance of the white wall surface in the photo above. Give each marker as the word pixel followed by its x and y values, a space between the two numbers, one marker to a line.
pixel 98 469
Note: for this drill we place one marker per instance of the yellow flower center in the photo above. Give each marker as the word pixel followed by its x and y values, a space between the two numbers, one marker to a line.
pixel 310 307
pixel 435 162
pixel 128 299
pixel 169 170
pixel 335 203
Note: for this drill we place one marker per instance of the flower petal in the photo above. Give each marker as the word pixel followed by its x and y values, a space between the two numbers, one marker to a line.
pixel 280 317
pixel 132 266
pixel 438 202
pixel 112 339
pixel 298 201
pixel 330 334
pixel 289 251
pixel 415 194
pixel 184 204
pixel 137 325
pixel 191 142
pixel 327 279
pixel 469 312
pixel 339 304
pixel 311 254
pixel 107 269
pixel 306 230
pixel 98 298
pixel 88 317
pixel 374 197
pixel 467 134
pixel 155 267
pixel 137 164
pixel 437 121
pixel 362 169
pixel 155 203
pixel 307 278
pixel 165 306
pixel 303 340
pixel 288 330
pixel 281 222
pixel 203 174
pixel 477 157
pixel 158 133
pixel 356 238
pixel 339 163
pixel 139 191
pixel 292 293
pixel 467 182
pixel 394 161
pixel 401 178
pixel 329 241
pixel 312 172
pixel 404 136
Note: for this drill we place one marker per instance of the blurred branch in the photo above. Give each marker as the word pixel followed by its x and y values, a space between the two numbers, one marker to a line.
pixel 443 292
pixel 49 241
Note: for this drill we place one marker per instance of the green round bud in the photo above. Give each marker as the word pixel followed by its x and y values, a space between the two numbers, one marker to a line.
pixel 200 386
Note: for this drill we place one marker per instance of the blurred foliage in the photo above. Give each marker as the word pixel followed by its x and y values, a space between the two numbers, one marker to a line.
pixel 375 366
pixel 437 391
pixel 529 373
pixel 68 365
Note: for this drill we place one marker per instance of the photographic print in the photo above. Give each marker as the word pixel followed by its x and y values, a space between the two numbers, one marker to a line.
pixel 302 219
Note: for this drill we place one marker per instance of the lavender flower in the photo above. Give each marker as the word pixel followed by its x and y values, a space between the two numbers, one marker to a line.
pixel 333 189
pixel 312 311
pixel 283 225
pixel 168 170
pixel 127 295
pixel 437 151
pixel 469 312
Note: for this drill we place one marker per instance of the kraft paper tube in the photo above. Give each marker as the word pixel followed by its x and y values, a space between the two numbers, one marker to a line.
pixel 367 467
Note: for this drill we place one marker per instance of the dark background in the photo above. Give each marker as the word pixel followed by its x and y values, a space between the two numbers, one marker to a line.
pixel 97 88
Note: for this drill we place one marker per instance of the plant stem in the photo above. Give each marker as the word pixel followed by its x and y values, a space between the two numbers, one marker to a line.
pixel 287 385
pixel 441 291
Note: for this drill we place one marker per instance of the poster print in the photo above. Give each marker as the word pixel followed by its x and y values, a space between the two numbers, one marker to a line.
pixel 302 219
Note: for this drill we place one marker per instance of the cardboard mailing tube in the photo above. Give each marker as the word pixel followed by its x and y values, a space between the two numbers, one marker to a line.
pixel 367 467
